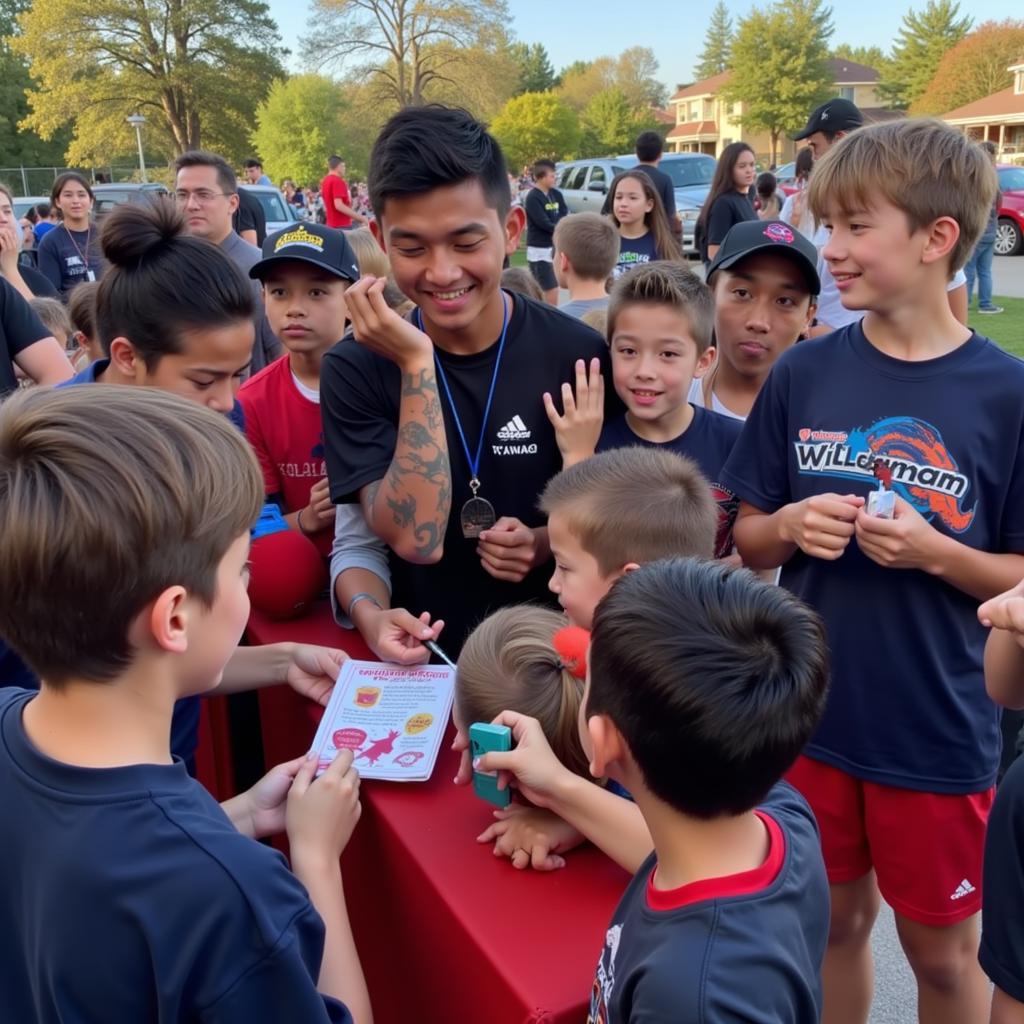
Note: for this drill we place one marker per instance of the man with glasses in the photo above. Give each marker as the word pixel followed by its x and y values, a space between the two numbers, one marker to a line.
pixel 207 194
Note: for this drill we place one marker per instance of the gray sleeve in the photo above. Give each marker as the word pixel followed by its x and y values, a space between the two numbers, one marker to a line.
pixel 355 546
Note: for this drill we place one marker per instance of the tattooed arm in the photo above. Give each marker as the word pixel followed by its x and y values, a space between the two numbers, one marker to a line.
pixel 408 509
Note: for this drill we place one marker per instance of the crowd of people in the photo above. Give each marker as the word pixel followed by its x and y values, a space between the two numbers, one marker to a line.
pixel 732 555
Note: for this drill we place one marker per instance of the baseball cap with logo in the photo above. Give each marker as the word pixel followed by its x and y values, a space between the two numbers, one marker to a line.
pixel 752 236
pixel 834 116
pixel 326 248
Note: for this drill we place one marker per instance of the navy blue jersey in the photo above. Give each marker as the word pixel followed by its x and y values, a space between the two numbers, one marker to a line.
pixel 67 258
pixel 708 440
pixel 1002 912
pixel 907 705
pixel 746 947
pixel 128 895
pixel 634 251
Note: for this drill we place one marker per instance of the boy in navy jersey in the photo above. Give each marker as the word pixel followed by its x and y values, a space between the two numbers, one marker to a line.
pixel 900 773
pixel 703 686
pixel 128 894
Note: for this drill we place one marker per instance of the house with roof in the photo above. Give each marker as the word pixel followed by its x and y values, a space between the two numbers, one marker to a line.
pixel 706 123
pixel 998 118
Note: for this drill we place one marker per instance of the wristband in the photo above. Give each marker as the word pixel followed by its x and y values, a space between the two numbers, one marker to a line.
pixel 298 522
pixel 362 597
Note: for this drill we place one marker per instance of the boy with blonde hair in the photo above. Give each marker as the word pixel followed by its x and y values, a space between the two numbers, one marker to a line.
pixel 586 251
pixel 900 774
pixel 128 893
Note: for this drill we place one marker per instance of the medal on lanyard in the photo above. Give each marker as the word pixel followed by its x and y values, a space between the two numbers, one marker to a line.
pixel 477 513
pixel 882 503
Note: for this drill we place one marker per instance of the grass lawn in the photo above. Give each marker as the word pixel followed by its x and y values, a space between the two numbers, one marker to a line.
pixel 518 258
pixel 1007 327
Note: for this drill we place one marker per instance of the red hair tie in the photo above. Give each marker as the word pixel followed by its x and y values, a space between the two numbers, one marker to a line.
pixel 571 643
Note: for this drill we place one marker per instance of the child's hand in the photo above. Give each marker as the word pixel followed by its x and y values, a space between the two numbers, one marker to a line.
pixel 531 836
pixel 906 542
pixel 396 635
pixel 382 330
pixel 531 762
pixel 319 513
pixel 1006 611
pixel 821 526
pixel 579 427
pixel 265 801
pixel 322 813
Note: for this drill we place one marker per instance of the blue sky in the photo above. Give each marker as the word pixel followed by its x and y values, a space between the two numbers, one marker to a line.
pixel 574 30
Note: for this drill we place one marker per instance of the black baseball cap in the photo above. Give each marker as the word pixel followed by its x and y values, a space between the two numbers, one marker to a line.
pixel 751 236
pixel 326 248
pixel 834 116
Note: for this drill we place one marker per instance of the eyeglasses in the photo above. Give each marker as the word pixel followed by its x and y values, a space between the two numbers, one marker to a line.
pixel 201 195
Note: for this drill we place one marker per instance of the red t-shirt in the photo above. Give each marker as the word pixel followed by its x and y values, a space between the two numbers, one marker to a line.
pixel 331 188
pixel 284 429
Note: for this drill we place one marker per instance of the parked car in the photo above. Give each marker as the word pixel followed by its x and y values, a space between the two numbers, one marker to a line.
pixel 785 177
pixel 106 197
pixel 275 207
pixel 1010 229
pixel 22 204
pixel 585 184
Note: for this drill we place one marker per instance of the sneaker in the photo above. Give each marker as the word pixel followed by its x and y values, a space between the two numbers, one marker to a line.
pixel 990 309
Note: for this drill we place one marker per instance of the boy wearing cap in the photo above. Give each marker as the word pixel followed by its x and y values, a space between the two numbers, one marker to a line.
pixel 765 282
pixel 305 271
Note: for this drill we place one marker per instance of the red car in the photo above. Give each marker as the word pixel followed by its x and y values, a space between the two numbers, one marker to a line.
pixel 1010 232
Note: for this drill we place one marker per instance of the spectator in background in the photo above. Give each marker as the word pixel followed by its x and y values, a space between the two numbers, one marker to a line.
pixel 47 221
pixel 795 211
pixel 337 199
pixel 728 202
pixel 254 172
pixel 544 207
pixel 768 204
pixel 649 148
pixel 28 283
pixel 71 254
pixel 362 201
pixel 980 263
pixel 249 221
pixel 522 282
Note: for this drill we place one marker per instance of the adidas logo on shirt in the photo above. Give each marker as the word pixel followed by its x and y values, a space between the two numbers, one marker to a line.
pixel 514 430
pixel 963 889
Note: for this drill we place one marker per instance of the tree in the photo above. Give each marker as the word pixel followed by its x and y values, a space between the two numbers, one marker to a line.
pixel 920 44
pixel 714 58
pixel 535 125
pixel 581 80
pixel 536 73
pixel 298 126
pixel 611 124
pixel 974 68
pixel 195 68
pixel 779 72
pixel 406 45
pixel 636 74
pixel 869 56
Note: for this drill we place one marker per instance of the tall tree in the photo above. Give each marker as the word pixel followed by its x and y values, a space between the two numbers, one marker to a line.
pixel 920 44
pixel 581 80
pixel 611 124
pixel 974 68
pixel 195 68
pixel 779 72
pixel 636 74
pixel 298 126
pixel 535 125
pixel 406 45
pixel 714 58
pixel 870 56
pixel 536 73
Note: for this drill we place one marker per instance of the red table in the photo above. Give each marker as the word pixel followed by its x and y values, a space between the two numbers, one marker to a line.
pixel 447 932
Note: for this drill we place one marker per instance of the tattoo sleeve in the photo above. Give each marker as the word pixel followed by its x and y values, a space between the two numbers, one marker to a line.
pixel 409 507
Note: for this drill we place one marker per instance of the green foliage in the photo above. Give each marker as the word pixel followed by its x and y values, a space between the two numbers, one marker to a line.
pixel 778 65
pixel 536 73
pixel 634 72
pixel 870 56
pixel 714 58
pixel 298 126
pixel 920 44
pixel 535 125
pixel 195 68
pixel 974 68
pixel 610 124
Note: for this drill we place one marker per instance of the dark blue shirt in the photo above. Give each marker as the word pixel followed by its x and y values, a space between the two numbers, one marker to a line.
pixel 708 440
pixel 634 251
pixel 128 895
pixel 67 258
pixel 748 947
pixel 907 705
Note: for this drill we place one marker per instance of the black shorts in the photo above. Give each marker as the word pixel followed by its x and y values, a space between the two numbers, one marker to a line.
pixel 544 274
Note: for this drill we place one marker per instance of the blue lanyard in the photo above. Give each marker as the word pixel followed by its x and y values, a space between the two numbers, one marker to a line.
pixel 474 464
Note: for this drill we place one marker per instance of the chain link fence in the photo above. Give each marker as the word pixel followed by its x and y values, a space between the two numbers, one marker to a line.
pixel 37 181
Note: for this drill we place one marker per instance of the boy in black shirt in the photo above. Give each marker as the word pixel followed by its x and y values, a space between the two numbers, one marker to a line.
pixel 436 424
pixel 649 147
pixel 545 207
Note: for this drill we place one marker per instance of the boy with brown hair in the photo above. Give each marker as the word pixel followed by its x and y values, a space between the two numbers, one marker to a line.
pixel 586 251
pixel 129 893
pixel 900 774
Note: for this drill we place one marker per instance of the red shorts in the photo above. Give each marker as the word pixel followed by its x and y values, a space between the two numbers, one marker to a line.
pixel 926 848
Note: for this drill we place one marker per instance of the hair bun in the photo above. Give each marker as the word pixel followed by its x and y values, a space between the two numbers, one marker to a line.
pixel 134 232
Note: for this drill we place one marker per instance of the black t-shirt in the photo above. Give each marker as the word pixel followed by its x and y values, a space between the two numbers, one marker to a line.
pixel 731 208
pixel 708 440
pixel 664 187
pixel 359 400
pixel 543 212
pixel 1002 911
pixel 249 216
pixel 128 895
pixel 38 284
pixel 19 328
